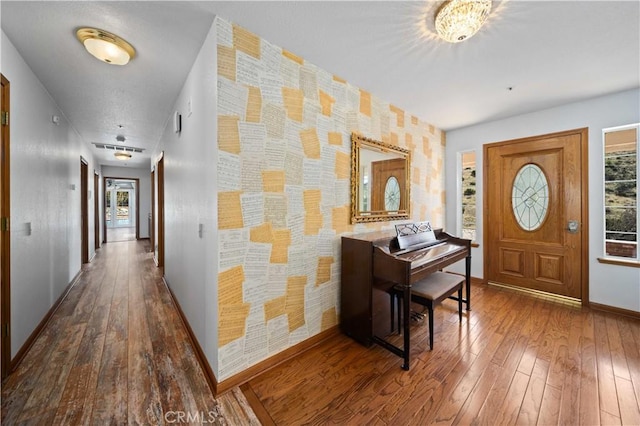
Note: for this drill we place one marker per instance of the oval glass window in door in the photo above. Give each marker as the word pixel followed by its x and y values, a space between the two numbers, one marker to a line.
pixel 392 194
pixel 530 197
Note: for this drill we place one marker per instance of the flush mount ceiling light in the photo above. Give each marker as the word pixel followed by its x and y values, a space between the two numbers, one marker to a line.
pixel 106 46
pixel 458 20
pixel 122 155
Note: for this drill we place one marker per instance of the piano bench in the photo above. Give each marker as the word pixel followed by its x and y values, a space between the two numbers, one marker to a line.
pixel 432 290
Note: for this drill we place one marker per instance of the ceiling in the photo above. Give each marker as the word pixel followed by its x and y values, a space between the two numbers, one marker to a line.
pixel 530 55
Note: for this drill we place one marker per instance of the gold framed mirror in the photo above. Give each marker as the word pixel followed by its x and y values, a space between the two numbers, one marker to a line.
pixel 380 186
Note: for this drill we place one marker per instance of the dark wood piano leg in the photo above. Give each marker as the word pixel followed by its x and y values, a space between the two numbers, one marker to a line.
pixel 392 296
pixel 406 320
pixel 468 280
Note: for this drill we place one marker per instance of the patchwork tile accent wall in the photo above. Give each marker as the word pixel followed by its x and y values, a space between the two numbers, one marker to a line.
pixel 284 128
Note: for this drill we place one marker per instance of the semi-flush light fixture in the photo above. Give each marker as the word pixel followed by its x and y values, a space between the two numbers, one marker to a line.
pixel 122 155
pixel 106 46
pixel 458 20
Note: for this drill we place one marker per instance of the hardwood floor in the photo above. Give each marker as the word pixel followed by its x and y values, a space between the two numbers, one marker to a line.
pixel 115 352
pixel 514 359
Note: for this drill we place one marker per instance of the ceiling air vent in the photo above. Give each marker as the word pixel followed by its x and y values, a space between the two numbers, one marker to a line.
pixel 117 147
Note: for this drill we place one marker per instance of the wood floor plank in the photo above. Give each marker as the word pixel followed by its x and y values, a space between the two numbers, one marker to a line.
pixel 345 397
pixel 144 404
pixel 516 343
pixel 609 419
pixel 392 390
pixel 448 399
pixel 71 406
pixel 386 392
pixel 510 408
pixel 570 405
pixel 607 393
pixel 618 357
pixel 46 398
pixel 433 369
pixel 536 334
pixel 494 318
pixel 258 409
pixel 119 312
pixel 473 404
pixel 631 351
pixel 236 409
pixel 437 393
pixel 42 418
pixel 91 398
pixel 111 393
pixel 530 408
pixel 499 392
pixel 329 393
pixel 557 342
pixel 90 353
pixel 86 303
pixel 94 336
pixel 338 418
pixel 73 298
pixel 629 408
pixel 589 400
pixel 550 406
pixel 26 377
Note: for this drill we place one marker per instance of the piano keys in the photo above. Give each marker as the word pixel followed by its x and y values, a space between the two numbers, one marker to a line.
pixel 374 263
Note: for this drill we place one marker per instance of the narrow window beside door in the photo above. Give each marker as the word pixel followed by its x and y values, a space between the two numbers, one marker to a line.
pixel 621 204
pixel 467 208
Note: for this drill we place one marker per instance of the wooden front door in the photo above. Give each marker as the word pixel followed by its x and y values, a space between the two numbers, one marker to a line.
pixel 535 213
pixel 385 194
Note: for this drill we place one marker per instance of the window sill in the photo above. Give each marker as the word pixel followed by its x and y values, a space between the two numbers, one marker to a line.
pixel 619 262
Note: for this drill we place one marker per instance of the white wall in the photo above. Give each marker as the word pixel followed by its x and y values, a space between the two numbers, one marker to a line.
pixel 610 285
pixel 190 200
pixel 144 209
pixel 45 166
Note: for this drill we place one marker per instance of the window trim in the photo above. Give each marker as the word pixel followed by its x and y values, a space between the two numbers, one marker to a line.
pixel 606 258
pixel 459 193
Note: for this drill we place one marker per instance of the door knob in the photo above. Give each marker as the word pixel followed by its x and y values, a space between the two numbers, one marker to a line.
pixel 573 226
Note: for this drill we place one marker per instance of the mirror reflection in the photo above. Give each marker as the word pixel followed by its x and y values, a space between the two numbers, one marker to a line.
pixel 379 182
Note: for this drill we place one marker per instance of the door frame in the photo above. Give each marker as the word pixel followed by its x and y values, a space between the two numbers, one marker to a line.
pixel 5 236
pixel 160 174
pixel 84 210
pixel 96 210
pixel 152 224
pixel 104 210
pixel 584 228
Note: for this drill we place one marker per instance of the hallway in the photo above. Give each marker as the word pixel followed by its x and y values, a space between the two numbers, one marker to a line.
pixel 116 352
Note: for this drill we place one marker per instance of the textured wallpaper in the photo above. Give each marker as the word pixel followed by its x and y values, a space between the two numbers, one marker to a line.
pixel 284 128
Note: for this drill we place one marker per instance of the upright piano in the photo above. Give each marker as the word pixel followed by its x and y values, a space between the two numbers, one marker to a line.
pixel 375 263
